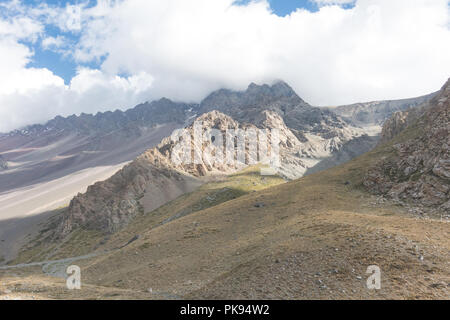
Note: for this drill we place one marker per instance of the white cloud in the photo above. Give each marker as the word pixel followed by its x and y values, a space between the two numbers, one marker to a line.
pixel 15 78
pixel 53 43
pixel 184 49
pixel 44 95
pixel 379 49
pixel 30 95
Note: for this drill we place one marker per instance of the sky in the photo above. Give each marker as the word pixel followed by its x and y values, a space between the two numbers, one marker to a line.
pixel 64 57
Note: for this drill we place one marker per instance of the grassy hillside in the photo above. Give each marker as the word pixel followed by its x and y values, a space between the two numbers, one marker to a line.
pixel 251 237
pixel 82 242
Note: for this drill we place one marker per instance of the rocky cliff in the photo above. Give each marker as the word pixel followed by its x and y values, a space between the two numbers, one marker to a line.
pixel 417 169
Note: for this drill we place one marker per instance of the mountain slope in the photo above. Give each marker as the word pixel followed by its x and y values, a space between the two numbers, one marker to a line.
pixel 376 112
pixel 49 164
pixel 417 169
pixel 109 205
pixel 309 238
pixel 65 145
pixel 44 156
pixel 144 184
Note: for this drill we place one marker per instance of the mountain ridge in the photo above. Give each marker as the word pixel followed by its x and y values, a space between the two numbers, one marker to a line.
pixel 46 171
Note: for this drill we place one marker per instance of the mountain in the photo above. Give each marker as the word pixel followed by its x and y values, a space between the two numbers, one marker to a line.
pixel 321 133
pixel 247 236
pixel 143 115
pixel 246 106
pixel 227 232
pixel 376 112
pixel 117 200
pixel 417 167
pixel 48 165
pixel 154 179
pixel 63 146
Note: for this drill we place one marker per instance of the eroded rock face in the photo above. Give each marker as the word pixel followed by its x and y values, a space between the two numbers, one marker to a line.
pixel 420 169
pixel 109 205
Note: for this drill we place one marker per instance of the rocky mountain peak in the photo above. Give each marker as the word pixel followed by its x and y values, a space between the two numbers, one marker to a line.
pixel 248 107
pixel 278 95
pixel 278 90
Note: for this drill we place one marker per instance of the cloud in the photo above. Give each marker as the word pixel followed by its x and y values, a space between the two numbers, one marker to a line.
pixel 31 95
pixel 378 49
pixel 44 95
pixel 53 43
pixel 184 49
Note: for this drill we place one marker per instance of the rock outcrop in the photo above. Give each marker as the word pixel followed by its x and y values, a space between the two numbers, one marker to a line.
pixel 111 204
pixel 419 169
pixel 400 121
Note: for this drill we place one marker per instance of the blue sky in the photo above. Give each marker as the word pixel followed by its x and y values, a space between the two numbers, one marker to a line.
pixel 59 64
